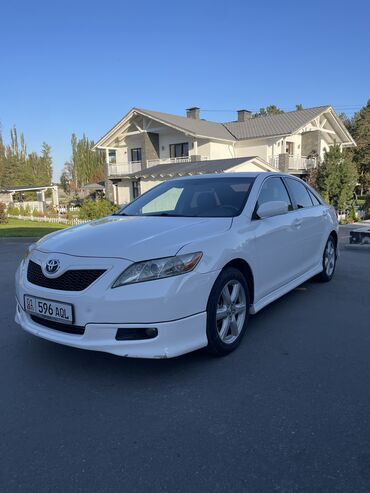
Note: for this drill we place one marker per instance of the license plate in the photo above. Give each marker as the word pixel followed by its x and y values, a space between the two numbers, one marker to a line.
pixel 52 310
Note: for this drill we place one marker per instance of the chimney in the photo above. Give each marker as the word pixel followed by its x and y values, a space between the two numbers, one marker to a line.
pixel 193 113
pixel 244 115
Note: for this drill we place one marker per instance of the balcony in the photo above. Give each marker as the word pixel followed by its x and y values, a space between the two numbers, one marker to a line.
pixel 121 169
pixel 174 160
pixel 287 162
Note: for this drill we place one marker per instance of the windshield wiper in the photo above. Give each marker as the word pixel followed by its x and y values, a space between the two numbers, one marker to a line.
pixel 164 214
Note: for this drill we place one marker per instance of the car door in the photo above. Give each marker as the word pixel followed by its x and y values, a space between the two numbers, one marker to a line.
pixel 278 242
pixel 313 215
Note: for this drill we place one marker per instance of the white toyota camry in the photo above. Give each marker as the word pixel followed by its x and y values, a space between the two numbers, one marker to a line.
pixel 180 268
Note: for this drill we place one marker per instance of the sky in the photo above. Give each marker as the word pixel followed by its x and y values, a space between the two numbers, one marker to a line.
pixel 80 66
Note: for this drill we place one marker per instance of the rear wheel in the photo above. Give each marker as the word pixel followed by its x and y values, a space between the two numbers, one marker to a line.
pixel 329 260
pixel 227 312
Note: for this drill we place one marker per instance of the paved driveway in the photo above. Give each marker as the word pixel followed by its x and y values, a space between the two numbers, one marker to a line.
pixel 289 411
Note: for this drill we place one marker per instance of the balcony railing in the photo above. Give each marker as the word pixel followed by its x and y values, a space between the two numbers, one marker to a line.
pixel 294 162
pixel 119 169
pixel 301 162
pixel 173 160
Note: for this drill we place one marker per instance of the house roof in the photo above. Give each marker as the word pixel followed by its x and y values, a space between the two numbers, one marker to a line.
pixel 203 128
pixel 253 128
pixel 194 167
pixel 272 125
pixel 26 188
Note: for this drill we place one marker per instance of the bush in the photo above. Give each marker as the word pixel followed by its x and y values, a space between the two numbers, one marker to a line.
pixel 27 211
pixel 51 211
pixel 95 209
pixel 366 207
pixel 3 213
pixel 13 210
pixel 352 216
pixel 69 216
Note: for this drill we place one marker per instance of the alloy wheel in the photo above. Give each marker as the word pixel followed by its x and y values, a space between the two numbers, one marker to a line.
pixel 231 311
pixel 329 257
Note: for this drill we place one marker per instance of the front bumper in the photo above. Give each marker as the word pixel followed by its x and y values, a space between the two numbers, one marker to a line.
pixel 175 306
pixel 174 338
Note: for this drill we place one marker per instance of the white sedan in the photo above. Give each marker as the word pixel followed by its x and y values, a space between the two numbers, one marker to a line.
pixel 180 268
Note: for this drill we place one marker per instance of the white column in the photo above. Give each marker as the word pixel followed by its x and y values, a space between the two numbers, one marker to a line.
pixel 195 150
pixel 284 146
pixel 55 196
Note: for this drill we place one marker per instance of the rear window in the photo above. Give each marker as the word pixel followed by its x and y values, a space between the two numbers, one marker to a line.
pixel 300 193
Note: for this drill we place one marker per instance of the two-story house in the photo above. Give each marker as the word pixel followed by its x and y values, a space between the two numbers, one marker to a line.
pixel 147 147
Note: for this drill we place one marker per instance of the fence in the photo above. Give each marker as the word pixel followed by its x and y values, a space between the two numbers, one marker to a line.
pixel 61 220
pixel 32 205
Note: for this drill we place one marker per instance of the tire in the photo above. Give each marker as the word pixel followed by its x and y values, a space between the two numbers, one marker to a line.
pixel 329 260
pixel 227 314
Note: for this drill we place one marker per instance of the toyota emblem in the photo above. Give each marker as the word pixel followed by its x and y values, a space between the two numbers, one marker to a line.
pixel 52 266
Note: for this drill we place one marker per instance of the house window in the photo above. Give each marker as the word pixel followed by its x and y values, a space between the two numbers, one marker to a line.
pixel 135 189
pixel 112 158
pixel 136 154
pixel 179 150
pixel 289 149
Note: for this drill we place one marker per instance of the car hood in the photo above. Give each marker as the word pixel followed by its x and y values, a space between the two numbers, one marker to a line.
pixel 133 237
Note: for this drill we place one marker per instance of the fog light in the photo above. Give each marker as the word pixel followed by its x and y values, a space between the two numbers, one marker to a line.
pixel 136 334
pixel 151 332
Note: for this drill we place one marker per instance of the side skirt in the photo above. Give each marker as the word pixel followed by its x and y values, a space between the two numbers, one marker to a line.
pixel 269 298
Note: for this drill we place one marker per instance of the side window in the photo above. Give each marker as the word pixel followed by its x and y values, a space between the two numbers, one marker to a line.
pixel 300 194
pixel 273 189
pixel 314 199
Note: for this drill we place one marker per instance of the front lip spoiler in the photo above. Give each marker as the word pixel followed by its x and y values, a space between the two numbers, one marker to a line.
pixel 174 338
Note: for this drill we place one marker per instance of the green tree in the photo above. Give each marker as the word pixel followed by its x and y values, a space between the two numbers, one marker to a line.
pixel 20 168
pixel 66 177
pixel 46 164
pixel 86 165
pixel 346 121
pixel 3 213
pixel 360 129
pixel 270 110
pixel 336 178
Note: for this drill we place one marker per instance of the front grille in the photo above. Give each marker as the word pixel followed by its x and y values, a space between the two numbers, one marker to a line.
pixel 69 329
pixel 71 280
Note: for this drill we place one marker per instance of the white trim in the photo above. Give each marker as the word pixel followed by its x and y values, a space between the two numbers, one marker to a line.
pixel 134 111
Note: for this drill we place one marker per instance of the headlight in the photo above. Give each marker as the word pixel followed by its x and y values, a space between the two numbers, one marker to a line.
pixel 158 269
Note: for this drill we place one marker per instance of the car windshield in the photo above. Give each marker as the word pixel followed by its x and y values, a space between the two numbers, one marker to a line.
pixel 193 197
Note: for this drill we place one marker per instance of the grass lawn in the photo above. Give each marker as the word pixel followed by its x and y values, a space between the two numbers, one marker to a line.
pixel 22 228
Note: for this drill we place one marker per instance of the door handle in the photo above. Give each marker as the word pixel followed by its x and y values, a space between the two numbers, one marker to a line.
pixel 297 223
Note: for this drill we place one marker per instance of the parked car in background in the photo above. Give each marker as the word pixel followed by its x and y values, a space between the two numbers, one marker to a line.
pixel 180 268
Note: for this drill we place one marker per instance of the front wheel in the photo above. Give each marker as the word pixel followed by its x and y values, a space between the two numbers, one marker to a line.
pixel 227 312
pixel 329 260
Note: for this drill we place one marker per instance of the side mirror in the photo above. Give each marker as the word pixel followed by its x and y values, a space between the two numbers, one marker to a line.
pixel 273 208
